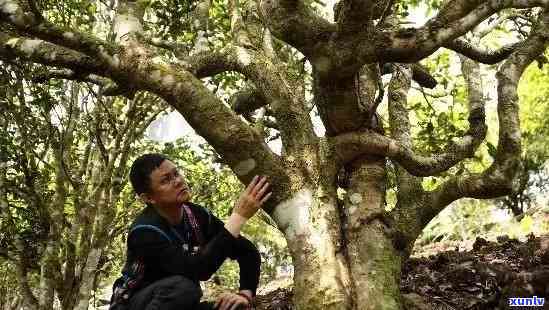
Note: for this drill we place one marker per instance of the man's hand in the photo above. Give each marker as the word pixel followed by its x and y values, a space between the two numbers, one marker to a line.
pixel 252 197
pixel 248 203
pixel 231 301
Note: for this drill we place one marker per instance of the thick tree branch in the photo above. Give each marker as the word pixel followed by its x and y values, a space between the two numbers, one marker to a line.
pixel 351 145
pixel 399 122
pixel 422 76
pixel 247 101
pixel 481 32
pixel 45 53
pixel 293 22
pixel 279 91
pixel 499 178
pixel 35 10
pixel 411 45
pixel 240 146
pixel 412 199
pixel 68 74
pixel 179 49
pixel 238 28
pixel 200 26
pixel 409 188
pixel 368 82
pixel 27 23
pixel 22 267
pixel 483 56
pixel 354 15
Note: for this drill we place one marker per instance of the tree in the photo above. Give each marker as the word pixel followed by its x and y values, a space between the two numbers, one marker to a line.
pixel 347 250
pixel 64 156
pixel 533 178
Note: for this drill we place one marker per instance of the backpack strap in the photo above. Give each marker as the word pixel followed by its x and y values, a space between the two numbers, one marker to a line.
pixel 152 227
pixel 194 225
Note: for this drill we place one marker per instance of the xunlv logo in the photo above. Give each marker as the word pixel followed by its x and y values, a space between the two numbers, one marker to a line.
pixel 523 301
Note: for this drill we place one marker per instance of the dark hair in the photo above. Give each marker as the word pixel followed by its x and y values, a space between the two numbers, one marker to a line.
pixel 141 170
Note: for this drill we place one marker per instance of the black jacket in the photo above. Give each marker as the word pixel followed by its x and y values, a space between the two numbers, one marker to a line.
pixel 163 258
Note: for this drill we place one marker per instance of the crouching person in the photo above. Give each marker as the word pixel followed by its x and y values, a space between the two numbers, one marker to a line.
pixel 173 244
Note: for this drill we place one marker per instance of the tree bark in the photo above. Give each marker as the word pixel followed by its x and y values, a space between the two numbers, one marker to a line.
pixel 321 278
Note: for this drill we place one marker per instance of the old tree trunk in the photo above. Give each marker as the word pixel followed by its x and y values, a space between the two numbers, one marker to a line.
pixel 347 250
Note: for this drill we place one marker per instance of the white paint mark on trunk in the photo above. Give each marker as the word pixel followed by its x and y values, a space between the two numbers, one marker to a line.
pixel 68 35
pixel 243 56
pixel 201 44
pixel 515 135
pixel 466 140
pixel 126 24
pixel 156 75
pixel 352 210
pixel 8 7
pixel 355 198
pixel 168 81
pixel 12 43
pixel 29 46
pixel 244 167
pixel 52 56
pixel 292 215
pixel 103 53
pixel 158 60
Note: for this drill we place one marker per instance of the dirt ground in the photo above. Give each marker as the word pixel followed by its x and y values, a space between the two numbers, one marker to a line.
pixel 483 278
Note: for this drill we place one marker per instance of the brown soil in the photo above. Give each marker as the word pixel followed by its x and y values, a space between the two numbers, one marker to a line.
pixel 483 278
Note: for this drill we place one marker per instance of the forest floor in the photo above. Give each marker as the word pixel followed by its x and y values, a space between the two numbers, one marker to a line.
pixel 484 277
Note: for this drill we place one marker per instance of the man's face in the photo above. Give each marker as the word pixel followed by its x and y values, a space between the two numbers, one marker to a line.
pixel 168 188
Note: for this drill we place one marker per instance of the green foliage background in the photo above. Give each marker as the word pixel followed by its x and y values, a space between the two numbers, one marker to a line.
pixel 468 219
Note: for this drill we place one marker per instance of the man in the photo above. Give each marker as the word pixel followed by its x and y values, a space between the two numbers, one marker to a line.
pixel 173 244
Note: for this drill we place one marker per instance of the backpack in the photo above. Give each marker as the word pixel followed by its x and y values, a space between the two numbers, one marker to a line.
pixel 132 277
